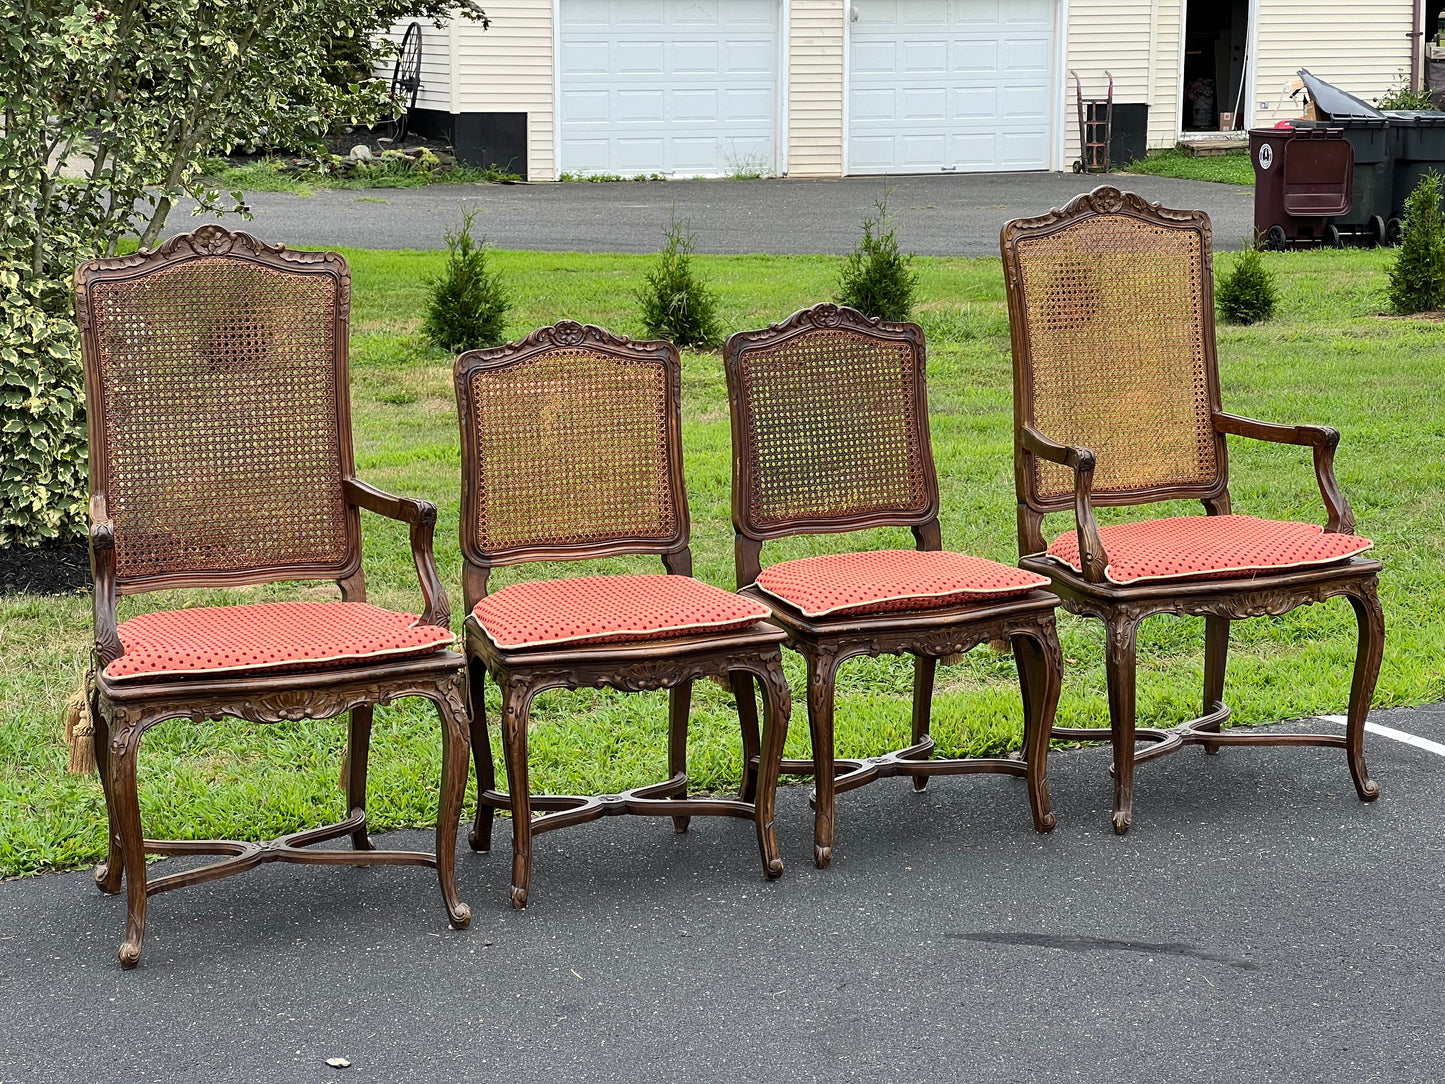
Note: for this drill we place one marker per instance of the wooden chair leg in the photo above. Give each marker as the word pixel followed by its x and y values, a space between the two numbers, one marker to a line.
pixel 1371 618
pixel 480 837
pixel 455 739
pixel 1119 663
pixel 1039 663
pixel 1216 655
pixel 776 709
pixel 747 701
pixel 108 874
pixel 514 749
pixel 679 707
pixel 126 802
pixel 924 668
pixel 358 750
pixel 822 672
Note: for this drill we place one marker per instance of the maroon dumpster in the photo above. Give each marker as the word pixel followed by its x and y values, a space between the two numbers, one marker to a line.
pixel 1303 177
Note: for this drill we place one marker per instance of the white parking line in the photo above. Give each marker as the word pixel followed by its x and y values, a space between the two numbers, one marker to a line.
pixel 1390 732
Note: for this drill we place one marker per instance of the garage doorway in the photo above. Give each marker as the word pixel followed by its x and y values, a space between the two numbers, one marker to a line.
pixel 1217 48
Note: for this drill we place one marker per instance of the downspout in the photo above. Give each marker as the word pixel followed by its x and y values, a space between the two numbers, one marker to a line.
pixel 1417 32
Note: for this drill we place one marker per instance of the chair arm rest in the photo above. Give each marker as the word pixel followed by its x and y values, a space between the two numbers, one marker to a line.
pixel 108 647
pixel 1322 439
pixel 1093 560
pixel 421 516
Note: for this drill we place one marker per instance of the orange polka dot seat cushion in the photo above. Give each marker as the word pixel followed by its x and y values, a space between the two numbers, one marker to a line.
pixel 610 610
pixel 1209 547
pixel 267 637
pixel 882 581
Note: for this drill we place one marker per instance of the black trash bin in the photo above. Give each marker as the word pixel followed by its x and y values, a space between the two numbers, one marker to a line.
pixel 1375 142
pixel 1303 182
pixel 1419 147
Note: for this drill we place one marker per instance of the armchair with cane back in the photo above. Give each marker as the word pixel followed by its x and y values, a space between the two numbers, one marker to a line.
pixel 572 449
pixel 221 456
pixel 830 434
pixel 1117 402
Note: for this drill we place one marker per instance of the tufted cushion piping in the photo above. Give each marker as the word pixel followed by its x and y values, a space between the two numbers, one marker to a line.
pixel 268 636
pixel 1209 547
pixel 610 609
pixel 882 581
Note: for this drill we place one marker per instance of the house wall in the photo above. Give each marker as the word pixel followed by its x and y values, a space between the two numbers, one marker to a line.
pixel 1361 48
pixel 815 87
pixel 508 69
pixel 1112 36
pixel 436 56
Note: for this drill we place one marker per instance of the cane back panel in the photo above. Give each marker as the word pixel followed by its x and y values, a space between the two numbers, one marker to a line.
pixel 830 424
pixel 219 427
pixel 1112 307
pixel 571 446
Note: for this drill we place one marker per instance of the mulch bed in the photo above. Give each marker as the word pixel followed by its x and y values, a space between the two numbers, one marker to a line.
pixel 61 568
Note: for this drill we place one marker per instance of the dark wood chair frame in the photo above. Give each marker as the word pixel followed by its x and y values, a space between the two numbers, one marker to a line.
pixel 1026 621
pixel 1218 601
pixel 672 664
pixel 124 710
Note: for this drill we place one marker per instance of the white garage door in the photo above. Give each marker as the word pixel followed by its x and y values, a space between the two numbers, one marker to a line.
pixel 683 87
pixel 950 84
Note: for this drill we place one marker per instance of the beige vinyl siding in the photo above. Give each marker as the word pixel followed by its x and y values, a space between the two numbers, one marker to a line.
pixel 1361 48
pixel 1105 35
pixel 1167 101
pixel 508 69
pixel 436 67
pixel 815 88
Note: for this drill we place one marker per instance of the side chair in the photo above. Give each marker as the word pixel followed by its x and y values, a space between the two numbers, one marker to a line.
pixel 1117 402
pixel 830 435
pixel 221 456
pixel 572 449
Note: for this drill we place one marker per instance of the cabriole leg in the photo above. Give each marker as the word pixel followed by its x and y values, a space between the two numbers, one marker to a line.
pixel 358 750
pixel 777 706
pixel 480 837
pixel 122 757
pixel 1039 663
pixel 1216 655
pixel 1119 665
pixel 455 739
pixel 1371 618
pixel 821 674
pixel 514 748
pixel 924 668
pixel 747 701
pixel 679 707
pixel 107 874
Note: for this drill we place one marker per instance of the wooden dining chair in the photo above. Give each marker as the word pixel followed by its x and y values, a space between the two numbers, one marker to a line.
pixel 220 456
pixel 1117 402
pixel 830 434
pixel 572 449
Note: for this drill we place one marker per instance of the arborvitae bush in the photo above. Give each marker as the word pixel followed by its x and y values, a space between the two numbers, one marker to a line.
pixel 1417 277
pixel 467 306
pixel 1246 293
pixel 677 304
pixel 877 279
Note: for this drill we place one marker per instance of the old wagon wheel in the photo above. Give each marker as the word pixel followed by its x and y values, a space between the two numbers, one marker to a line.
pixel 406 79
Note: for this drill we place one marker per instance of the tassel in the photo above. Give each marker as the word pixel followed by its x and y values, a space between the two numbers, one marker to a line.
pixel 80 729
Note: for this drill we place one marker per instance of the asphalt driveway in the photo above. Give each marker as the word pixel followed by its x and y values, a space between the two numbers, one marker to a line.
pixel 938 215
pixel 1258 923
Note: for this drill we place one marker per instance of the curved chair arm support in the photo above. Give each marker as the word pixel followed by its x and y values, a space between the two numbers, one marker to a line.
pixel 1092 557
pixel 1322 439
pixel 108 647
pixel 421 516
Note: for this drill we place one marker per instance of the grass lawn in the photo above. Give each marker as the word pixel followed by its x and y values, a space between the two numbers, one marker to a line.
pixel 1232 168
pixel 1328 358
pixel 267 176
